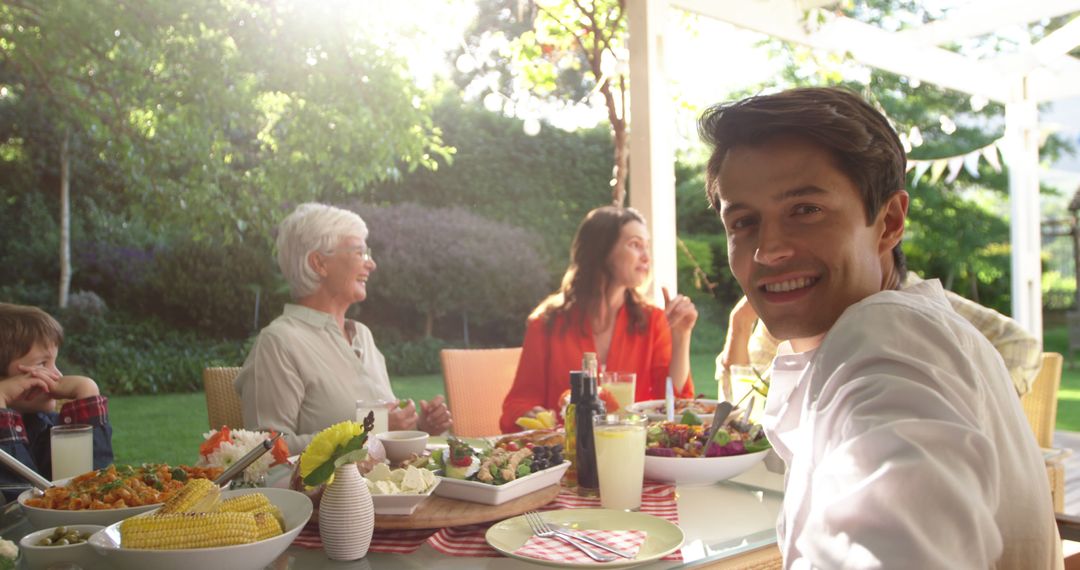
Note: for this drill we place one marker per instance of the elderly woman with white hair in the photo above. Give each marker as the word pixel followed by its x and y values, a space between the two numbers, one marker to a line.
pixel 310 366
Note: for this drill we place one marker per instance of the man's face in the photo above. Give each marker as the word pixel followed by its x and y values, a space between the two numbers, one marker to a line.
pixel 798 241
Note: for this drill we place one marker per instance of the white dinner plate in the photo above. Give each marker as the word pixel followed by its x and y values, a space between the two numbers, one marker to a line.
pixel 662 537
pixel 656 410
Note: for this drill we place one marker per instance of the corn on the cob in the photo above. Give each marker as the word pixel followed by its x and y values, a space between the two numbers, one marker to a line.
pixel 268 526
pixel 197 496
pixel 251 503
pixel 188 530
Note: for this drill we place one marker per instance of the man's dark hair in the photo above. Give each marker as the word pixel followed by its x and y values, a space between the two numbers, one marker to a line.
pixel 863 143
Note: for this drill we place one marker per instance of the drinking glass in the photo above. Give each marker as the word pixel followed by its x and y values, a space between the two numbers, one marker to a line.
pixel 621 385
pixel 620 460
pixel 381 409
pixel 743 380
pixel 72 450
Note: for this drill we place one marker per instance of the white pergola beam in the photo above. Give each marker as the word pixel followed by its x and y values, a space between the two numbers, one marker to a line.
pixel 1059 42
pixel 1021 146
pixel 652 149
pixel 984 17
pixel 866 43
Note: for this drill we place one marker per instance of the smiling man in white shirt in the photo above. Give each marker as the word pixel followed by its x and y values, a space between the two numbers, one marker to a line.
pixel 904 440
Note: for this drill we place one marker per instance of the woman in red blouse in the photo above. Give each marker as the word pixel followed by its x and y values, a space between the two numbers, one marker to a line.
pixel 599 309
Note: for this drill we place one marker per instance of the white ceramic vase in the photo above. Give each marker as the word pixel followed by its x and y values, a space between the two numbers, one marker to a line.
pixel 346 515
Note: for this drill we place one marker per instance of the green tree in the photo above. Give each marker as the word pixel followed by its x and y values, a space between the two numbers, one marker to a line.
pixel 212 117
pixel 544 183
pixel 560 50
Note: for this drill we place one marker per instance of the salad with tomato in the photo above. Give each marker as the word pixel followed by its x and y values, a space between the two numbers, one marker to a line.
pixel 667 439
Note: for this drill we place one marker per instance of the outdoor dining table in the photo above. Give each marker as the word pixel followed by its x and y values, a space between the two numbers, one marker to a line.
pixel 719 521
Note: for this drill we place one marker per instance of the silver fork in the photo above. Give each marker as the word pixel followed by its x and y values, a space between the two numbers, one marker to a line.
pixel 540 528
pixel 586 538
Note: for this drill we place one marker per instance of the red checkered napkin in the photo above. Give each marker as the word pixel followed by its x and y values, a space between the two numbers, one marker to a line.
pixel 556 550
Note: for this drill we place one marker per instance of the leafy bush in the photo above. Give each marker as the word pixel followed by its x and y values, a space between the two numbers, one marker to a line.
pixel 413 357
pixel 144 356
pixel 83 307
pixel 436 262
pixel 1058 291
pixel 212 287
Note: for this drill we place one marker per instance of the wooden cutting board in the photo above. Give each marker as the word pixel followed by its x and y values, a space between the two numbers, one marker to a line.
pixel 439 512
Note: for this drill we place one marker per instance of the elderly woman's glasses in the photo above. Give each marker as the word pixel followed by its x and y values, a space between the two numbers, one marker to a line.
pixel 363 252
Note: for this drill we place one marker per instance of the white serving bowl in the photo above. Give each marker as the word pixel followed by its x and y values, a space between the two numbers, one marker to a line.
pixel 477 492
pixel 700 470
pixel 296 508
pixel 46 556
pixel 400 445
pixel 401 504
pixel 47 518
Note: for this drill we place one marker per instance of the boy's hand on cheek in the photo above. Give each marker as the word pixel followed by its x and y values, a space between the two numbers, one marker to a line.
pixel 21 388
pixel 51 374
pixel 74 388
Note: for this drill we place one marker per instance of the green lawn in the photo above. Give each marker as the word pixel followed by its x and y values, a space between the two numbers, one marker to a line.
pixel 1056 340
pixel 169 427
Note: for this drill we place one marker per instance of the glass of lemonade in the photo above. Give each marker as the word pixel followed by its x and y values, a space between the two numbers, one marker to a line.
pixel 621 385
pixel 743 380
pixel 72 450
pixel 620 460
pixel 381 409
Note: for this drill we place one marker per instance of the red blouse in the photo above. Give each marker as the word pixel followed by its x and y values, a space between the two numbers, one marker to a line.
pixel 543 372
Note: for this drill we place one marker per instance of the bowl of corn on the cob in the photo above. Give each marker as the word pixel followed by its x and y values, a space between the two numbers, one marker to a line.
pixel 207 528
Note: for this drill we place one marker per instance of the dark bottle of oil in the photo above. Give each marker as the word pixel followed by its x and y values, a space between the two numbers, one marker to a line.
pixel 588 406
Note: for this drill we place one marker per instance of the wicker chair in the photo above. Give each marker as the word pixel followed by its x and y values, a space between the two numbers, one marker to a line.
pixel 1040 404
pixel 477 381
pixel 222 401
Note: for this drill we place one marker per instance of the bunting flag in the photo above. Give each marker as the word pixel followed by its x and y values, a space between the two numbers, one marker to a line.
pixel 969 162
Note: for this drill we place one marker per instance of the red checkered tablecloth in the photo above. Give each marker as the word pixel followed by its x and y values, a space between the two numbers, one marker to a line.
pixel 656 499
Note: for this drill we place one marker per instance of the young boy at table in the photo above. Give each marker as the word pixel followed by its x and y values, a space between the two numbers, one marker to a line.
pixel 29 343
pixel 905 443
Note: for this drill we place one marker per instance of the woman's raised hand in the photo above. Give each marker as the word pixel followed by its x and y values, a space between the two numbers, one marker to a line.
pixel 681 313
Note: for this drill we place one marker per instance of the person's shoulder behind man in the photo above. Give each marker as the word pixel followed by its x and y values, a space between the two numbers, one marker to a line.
pixel 915 327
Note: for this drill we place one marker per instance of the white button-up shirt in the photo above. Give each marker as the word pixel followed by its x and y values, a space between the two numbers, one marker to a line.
pixel 303 376
pixel 906 446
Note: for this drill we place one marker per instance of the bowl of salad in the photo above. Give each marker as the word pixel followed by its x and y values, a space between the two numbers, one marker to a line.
pixel 679 453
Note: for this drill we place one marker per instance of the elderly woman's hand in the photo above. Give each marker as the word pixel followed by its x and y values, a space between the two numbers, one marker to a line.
pixel 436 416
pixel 402 417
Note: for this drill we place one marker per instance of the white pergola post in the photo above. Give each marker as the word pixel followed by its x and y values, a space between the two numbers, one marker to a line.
pixel 1022 156
pixel 652 151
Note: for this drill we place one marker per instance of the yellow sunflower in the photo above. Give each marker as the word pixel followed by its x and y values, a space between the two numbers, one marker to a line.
pixel 327 446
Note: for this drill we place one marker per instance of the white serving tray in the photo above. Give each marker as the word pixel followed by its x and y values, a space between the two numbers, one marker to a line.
pixel 487 494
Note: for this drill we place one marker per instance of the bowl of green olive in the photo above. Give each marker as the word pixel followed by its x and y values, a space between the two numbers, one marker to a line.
pixel 59 545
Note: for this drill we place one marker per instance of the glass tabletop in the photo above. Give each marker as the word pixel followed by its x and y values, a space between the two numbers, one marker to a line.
pixel 719 521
